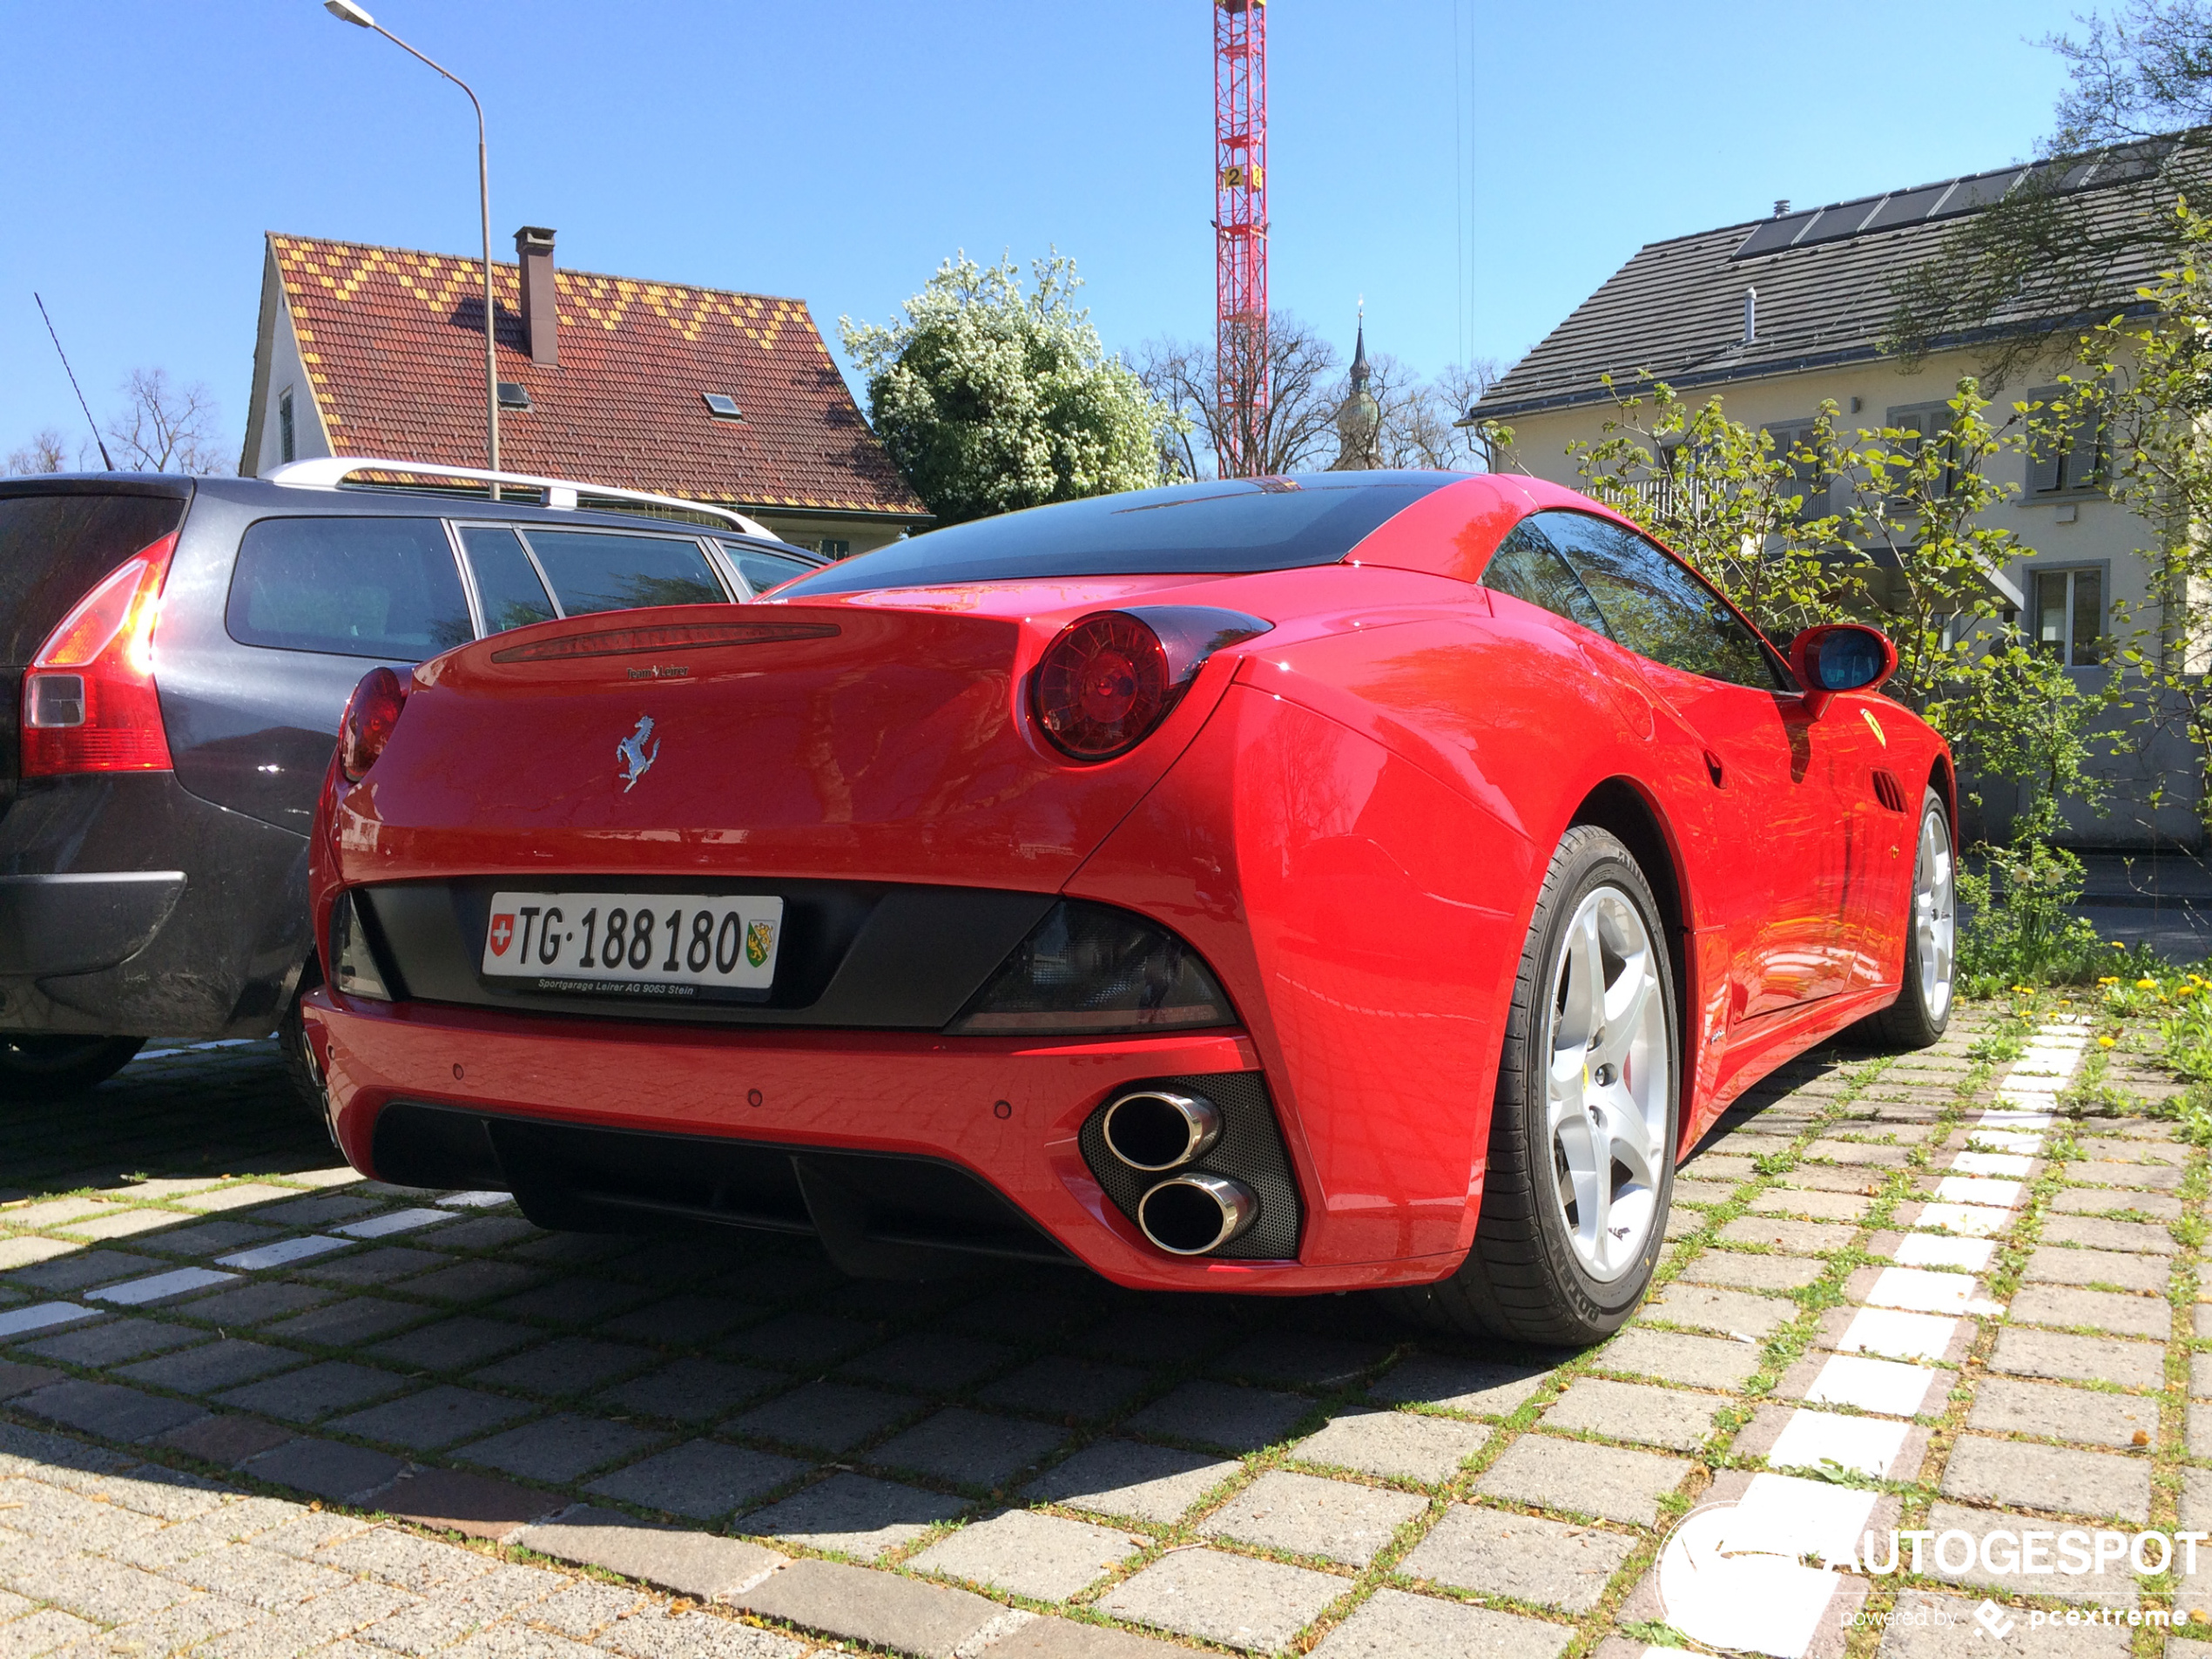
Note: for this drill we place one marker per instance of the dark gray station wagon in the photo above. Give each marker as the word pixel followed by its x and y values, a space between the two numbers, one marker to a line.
pixel 178 651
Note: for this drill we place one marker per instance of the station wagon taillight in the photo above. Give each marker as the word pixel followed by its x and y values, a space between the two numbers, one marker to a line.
pixel 89 702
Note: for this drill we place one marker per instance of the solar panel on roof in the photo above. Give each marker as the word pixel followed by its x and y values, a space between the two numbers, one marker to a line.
pixel 1980 191
pixel 1906 206
pixel 1773 236
pixel 1833 224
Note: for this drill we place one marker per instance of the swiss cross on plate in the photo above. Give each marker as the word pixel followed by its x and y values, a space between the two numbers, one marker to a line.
pixel 503 934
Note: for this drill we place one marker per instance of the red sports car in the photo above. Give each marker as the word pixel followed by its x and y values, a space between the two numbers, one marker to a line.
pixel 1360 880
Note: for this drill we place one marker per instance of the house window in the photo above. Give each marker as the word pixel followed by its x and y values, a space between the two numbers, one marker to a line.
pixel 1796 445
pixel 1921 424
pixel 2069 610
pixel 2067 453
pixel 287 446
pixel 831 548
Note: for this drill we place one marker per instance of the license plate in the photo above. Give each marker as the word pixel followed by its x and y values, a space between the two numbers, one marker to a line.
pixel 634 944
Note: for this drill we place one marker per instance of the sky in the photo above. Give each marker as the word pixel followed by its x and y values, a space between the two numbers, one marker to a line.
pixel 1471 170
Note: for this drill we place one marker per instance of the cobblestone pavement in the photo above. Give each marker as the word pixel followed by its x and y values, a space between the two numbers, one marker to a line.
pixel 251 1405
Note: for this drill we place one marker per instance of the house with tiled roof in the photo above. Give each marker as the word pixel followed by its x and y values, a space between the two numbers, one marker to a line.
pixel 706 394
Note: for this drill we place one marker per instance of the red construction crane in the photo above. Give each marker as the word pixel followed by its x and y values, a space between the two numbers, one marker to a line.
pixel 1240 233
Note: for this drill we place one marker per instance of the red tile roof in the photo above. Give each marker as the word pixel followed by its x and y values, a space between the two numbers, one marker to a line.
pixel 392 340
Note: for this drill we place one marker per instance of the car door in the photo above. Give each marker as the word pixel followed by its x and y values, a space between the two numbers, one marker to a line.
pixel 1769 758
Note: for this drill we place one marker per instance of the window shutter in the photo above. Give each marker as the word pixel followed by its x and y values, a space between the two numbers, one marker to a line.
pixel 2085 449
pixel 2047 452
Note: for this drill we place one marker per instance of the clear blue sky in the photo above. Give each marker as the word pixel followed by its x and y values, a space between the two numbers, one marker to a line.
pixel 838 152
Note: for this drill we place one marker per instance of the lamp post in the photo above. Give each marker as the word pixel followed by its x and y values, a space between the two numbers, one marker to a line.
pixel 347 11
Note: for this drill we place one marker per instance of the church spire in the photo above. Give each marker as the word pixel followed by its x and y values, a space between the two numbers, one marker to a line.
pixel 1359 419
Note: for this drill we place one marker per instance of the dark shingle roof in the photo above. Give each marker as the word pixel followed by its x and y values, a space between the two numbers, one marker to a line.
pixel 1675 310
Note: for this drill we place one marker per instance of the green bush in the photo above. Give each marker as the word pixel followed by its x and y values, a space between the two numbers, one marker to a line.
pixel 2021 932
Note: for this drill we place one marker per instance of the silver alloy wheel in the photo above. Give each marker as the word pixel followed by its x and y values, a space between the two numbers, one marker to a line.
pixel 1608 1082
pixel 1934 925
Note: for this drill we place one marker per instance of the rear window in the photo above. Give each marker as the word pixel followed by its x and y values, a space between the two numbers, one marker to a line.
pixel 765 571
pixel 507 585
pixel 54 549
pixel 385 588
pixel 592 570
pixel 1234 525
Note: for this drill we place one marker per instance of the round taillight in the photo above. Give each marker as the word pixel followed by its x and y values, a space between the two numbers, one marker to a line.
pixel 1101 685
pixel 371 713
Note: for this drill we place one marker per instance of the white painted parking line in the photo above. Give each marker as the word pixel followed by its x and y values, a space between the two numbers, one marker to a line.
pixel 1919 1291
pixel 135 1292
pixel 398 1221
pixel 1970 1220
pixel 2013 1118
pixel 1868 1445
pixel 2003 1163
pixel 39 1315
pixel 1926 1250
pixel 1998 1140
pixel 1897 1335
pixel 1882 1386
pixel 1969 1188
pixel 475 1200
pixel 284 1250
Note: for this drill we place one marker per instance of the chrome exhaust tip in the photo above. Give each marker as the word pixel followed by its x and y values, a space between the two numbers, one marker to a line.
pixel 1153 1130
pixel 1190 1215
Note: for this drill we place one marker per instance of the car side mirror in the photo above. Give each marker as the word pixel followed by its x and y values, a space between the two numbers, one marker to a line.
pixel 1840 656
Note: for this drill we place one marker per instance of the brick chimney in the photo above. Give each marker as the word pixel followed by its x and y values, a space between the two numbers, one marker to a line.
pixel 541 320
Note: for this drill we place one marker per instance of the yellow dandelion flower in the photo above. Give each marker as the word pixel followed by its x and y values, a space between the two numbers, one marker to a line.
pixel 2109 978
pixel 2146 984
pixel 2106 1042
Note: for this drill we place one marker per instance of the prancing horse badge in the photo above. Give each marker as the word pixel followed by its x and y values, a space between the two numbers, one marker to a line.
pixel 636 758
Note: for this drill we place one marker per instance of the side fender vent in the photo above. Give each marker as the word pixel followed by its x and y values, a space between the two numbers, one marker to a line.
pixel 1888 791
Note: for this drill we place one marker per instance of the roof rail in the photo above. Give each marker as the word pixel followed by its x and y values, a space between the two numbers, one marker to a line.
pixel 329 472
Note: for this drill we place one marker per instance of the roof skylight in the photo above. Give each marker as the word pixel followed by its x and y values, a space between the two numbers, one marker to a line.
pixel 722 405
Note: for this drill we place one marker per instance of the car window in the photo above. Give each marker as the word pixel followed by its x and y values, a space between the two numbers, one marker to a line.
pixel 386 587
pixel 1655 606
pixel 765 571
pixel 506 583
pixel 1529 567
pixel 593 571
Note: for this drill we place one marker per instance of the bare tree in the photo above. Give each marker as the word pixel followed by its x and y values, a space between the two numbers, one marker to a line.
pixel 1298 429
pixel 165 427
pixel 44 453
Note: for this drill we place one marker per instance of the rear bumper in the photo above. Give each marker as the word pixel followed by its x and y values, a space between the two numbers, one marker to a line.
pixel 831 1102
pixel 81 923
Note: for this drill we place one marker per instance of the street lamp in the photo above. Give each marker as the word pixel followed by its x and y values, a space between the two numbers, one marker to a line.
pixel 347 11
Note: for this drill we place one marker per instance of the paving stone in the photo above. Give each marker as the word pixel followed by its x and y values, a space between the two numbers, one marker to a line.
pixel 441 1416
pixel 664 1633
pixel 586 1607
pixel 318 1209
pixel 854 1514
pixel 1303 1514
pixel 81 1269
pixel 1574 1475
pixel 112 1342
pixel 698 1480
pixel 2097 1173
pixel 1816 1206
pixel 829 1416
pixel 213 1366
pixel 586 1302
pixel 2095 1232
pixel 1114 1477
pixel 1799 1237
pixel 1401 1444
pixel 969 1447
pixel 309 1395
pixel 1060 1387
pixel 855 1603
pixel 674 1558
pixel 1050 1638
pixel 1527 1557
pixel 378 1266
pixel 1239 1419
pixel 1619 1411
pixel 2004 1407
pixel 2127 1316
pixel 341 1324
pixel 48 1631
pixel 240 1196
pixel 931 1362
pixel 108 1410
pixel 2197 1498
pixel 1234 1600
pixel 1696 1362
pixel 1934 1627
pixel 456 1500
pixel 440 1620
pixel 1478 1387
pixel 1046 1557
pixel 1301 1359
pixel 2071 1359
pixel 211 1238
pixel 326 1468
pixel 801 1339
pixel 559 1448
pixel 424 1566
pixel 452 1345
pixel 690 1390
pixel 21 1379
pixel 255 1304
pixel 2061 1264
pixel 2110 1589
pixel 682 1321
pixel 1725 1311
pixel 1744 1271
pixel 2094 1201
pixel 1687 1191
pixel 466 1283
pixel 564 1366
pixel 223 1438
pixel 2048 1477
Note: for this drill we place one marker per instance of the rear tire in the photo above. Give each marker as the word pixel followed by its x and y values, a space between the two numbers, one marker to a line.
pixel 34 1069
pixel 1581 1169
pixel 1922 1011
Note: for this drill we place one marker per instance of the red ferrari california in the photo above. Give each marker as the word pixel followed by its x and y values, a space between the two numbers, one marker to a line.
pixel 1363 881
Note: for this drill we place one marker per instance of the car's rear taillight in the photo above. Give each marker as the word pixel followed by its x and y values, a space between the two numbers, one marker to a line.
pixel 371 713
pixel 89 702
pixel 1108 679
